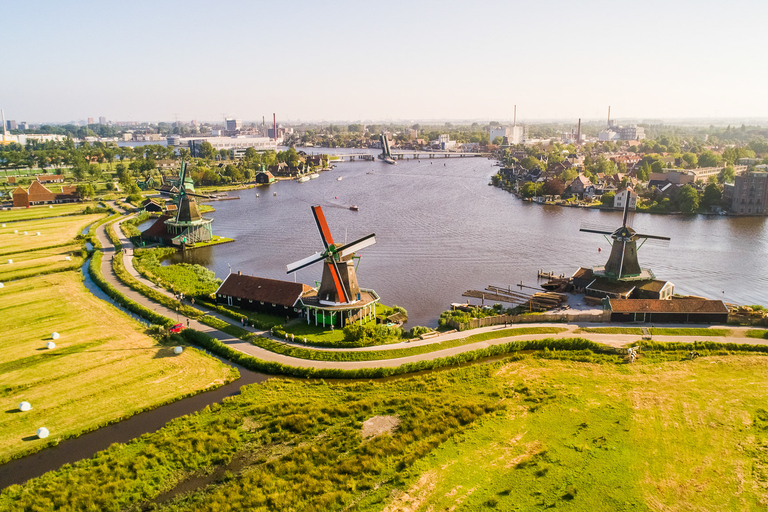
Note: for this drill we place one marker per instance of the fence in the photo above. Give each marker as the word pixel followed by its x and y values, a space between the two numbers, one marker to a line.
pixel 474 323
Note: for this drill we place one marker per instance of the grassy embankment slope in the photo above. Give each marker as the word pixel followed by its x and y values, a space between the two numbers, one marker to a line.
pixel 527 433
pixel 104 366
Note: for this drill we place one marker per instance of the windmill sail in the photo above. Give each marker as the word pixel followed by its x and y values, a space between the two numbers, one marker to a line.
pixel 339 282
pixel 623 263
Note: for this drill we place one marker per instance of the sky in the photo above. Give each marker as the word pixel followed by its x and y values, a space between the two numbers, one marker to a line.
pixel 363 61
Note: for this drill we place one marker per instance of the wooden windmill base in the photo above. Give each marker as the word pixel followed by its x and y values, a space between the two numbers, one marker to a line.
pixel 322 315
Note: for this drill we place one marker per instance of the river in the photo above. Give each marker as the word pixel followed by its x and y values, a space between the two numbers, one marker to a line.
pixel 441 230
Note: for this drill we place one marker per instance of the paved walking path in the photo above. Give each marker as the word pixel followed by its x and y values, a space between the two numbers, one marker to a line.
pixel 615 340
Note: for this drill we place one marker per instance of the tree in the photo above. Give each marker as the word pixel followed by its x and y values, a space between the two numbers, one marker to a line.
pixel 712 195
pixel 554 187
pixel 569 175
pixel 691 160
pixel 531 189
pixel 689 199
pixel 251 154
pixel 95 171
pixel 207 151
pixel 727 175
pixel 644 172
pixel 708 159
pixel 608 198
pixel 85 190
pixel 531 163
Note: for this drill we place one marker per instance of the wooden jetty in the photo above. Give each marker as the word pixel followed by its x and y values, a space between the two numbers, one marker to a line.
pixel 539 301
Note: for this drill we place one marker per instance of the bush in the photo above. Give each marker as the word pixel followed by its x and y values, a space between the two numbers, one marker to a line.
pixel 418 330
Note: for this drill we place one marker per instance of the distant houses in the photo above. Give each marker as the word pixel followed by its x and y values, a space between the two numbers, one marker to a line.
pixel 37 193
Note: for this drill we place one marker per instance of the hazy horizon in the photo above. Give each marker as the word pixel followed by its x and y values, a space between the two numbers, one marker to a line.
pixel 348 62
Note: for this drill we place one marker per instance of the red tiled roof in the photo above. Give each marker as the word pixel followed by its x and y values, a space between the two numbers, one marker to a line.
pixel 667 306
pixel 50 177
pixel 38 192
pixel 271 291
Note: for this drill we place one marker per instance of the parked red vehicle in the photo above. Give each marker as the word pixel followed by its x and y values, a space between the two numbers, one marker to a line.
pixel 176 328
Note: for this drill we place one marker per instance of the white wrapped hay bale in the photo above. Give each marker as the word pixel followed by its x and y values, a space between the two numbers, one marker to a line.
pixel 1 285
pixel 25 406
pixel 10 262
pixel 25 232
pixel 68 258
pixel 178 350
pixel 55 335
pixel 38 233
pixel 42 432
pixel 50 345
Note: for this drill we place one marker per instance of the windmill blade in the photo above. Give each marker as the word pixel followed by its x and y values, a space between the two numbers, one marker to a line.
pixel 654 237
pixel 586 230
pixel 355 246
pixel 322 226
pixel 298 265
pixel 623 252
pixel 626 208
pixel 340 290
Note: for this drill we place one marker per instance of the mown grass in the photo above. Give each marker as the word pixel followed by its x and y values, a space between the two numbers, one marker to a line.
pixel 659 331
pixel 758 333
pixel 43 211
pixel 374 355
pixel 688 331
pixel 611 330
pixel 103 367
pixel 523 434
pixel 53 233
pixel 42 261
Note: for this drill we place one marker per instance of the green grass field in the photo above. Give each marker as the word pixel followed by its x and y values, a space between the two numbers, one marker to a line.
pixel 658 331
pixel 527 433
pixel 372 355
pixel 30 263
pixel 757 333
pixel 53 232
pixel 42 211
pixel 103 367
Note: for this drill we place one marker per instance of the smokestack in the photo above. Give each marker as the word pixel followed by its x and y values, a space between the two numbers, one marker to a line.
pixel 274 123
pixel 263 122
pixel 578 133
pixel 609 115
pixel 5 128
pixel 514 119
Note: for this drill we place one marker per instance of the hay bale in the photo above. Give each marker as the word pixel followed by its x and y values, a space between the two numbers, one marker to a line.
pixel 178 350
pixel 55 335
pixel 38 233
pixel 10 262
pixel 25 406
pixel 1 285
pixel 50 345
pixel 42 432
pixel 25 232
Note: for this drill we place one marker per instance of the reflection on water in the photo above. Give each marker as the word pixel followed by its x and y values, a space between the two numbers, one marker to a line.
pixel 441 230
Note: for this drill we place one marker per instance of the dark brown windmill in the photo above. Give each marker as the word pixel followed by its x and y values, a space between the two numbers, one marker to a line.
pixel 622 262
pixel 339 283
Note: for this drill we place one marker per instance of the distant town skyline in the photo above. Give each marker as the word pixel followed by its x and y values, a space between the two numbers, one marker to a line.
pixel 557 60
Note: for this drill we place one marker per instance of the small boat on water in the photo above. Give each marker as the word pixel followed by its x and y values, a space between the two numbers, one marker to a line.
pixel 314 175
pixel 354 208
pixel 303 179
pixel 274 193
pixel 339 178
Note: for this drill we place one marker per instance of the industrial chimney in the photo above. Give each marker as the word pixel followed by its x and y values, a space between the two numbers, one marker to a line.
pixel 274 123
pixel 578 133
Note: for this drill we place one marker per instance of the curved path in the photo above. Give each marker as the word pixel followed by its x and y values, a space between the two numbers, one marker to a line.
pixel 616 340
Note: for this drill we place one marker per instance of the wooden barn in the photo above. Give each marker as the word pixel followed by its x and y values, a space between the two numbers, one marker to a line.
pixel 677 311
pixel 281 298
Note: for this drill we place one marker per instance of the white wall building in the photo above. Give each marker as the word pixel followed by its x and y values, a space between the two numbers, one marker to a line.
pixel 620 199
